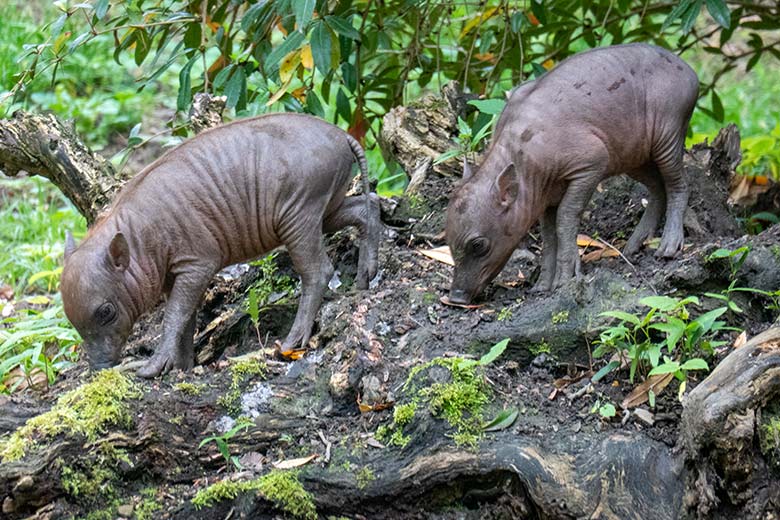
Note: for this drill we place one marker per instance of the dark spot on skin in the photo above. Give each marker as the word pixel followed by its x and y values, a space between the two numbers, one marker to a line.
pixel 616 85
pixel 679 67
pixel 667 59
pixel 462 206
pixel 579 84
pixel 589 93
pixel 526 135
pixel 633 72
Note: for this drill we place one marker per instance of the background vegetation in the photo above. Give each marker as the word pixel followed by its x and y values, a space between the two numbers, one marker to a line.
pixel 126 71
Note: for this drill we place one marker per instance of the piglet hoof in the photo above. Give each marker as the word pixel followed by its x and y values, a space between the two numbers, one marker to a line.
pixel 669 248
pixel 162 364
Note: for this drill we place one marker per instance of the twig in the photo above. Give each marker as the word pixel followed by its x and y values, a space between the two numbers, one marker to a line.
pixel 328 445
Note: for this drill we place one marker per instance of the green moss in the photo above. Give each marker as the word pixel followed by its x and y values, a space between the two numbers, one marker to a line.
pixel 504 314
pixel 284 489
pixel 775 249
pixel 189 388
pixel 223 490
pixel 561 317
pixel 540 348
pixel 240 373
pixel 769 434
pixel 281 487
pixel 364 477
pixel 91 486
pixel 178 420
pixel 87 410
pixel 146 508
pixel 404 413
pixel 429 298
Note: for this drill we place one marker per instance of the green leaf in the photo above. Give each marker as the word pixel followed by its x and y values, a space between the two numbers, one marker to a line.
pixel 607 410
pixel 606 369
pixel 537 7
pixel 708 318
pixel 343 108
pixel 303 12
pixel 695 364
pixel 689 17
pixel 651 398
pixel 719 12
pixel 321 44
pixel 676 13
pixel 489 106
pixel 674 329
pixel 662 303
pixel 343 27
pixel 495 351
pixel 275 57
pixel 623 316
pixel 667 368
pixel 143 44
pixel 502 421
pixel 235 89
pixel 184 98
pixel 313 104
pixel 449 154
pixel 101 8
pixel 717 106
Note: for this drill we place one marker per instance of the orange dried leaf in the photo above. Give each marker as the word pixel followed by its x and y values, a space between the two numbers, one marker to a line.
pixel 598 254
pixel 586 241
pixel 299 94
pixel 294 354
pixel 548 64
pixel 441 254
pixel 639 396
pixel 761 180
pixel 532 18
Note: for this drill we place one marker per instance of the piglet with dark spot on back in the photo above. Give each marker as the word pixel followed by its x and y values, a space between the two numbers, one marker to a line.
pixel 622 110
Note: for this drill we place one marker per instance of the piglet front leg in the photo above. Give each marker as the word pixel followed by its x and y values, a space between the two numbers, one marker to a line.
pixel 176 350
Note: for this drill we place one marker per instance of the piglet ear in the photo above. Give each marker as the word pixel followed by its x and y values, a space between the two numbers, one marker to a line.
pixel 119 252
pixel 70 244
pixel 466 169
pixel 507 186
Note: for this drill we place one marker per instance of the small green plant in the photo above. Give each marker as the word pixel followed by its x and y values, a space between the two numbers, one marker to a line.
pixel 736 258
pixel 561 317
pixel 222 442
pixel 769 434
pixel 540 348
pixel 471 137
pixel 632 338
pixel 36 341
pixel 605 409
pixel 149 505
pixel 268 288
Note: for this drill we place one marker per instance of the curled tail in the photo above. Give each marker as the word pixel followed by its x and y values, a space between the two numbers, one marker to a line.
pixel 360 157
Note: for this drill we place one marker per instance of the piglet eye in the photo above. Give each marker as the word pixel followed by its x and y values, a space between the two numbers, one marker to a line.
pixel 105 314
pixel 479 246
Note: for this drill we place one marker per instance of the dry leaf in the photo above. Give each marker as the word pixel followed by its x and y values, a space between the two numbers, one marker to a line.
pixel 307 60
pixel 552 395
pixel 293 354
pixel 440 254
pixel 6 292
pixel 598 254
pixel 294 463
pixel 741 340
pixel 639 396
pixel 374 443
pixel 586 241
pixel 565 381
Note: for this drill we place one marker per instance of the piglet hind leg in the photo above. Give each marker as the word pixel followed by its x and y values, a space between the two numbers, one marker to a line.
pixel 670 164
pixel 315 269
pixel 175 350
pixel 352 212
pixel 656 203
pixel 577 194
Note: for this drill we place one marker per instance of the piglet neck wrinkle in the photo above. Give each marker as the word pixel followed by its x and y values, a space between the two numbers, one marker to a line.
pixel 144 275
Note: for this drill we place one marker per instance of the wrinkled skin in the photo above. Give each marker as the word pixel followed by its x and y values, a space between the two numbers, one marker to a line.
pixel 226 196
pixel 608 111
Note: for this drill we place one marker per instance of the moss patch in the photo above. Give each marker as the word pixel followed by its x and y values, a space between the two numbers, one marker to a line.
pixel 189 388
pixel 241 372
pixel 87 410
pixel 769 434
pixel 280 487
pixel 146 508
pixel 364 477
pixel 561 317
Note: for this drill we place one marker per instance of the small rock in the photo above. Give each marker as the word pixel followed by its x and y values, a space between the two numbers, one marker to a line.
pixel 540 361
pixel 8 505
pixel 198 370
pixel 339 384
pixel 125 510
pixel 25 483
pixel 645 416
